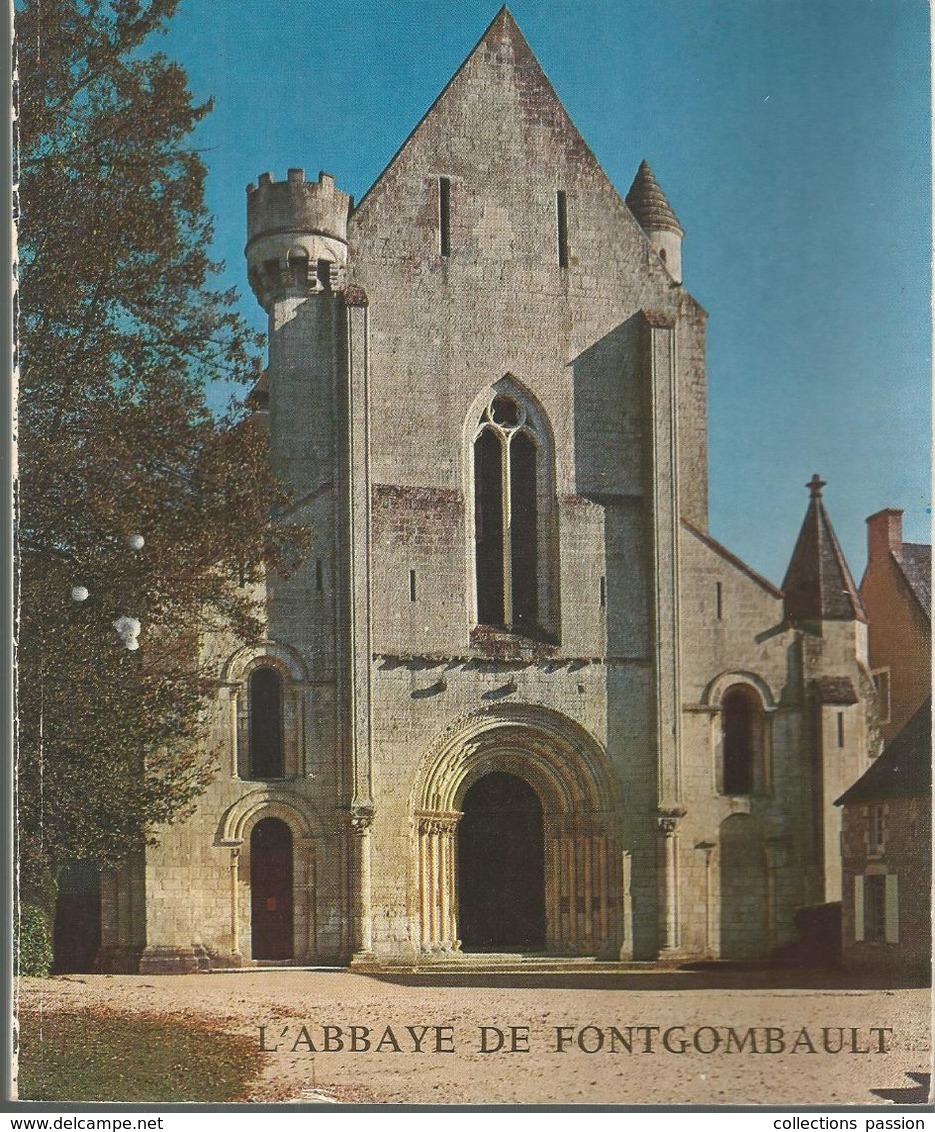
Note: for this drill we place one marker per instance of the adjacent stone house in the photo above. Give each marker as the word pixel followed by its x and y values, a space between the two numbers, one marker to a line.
pixel 517 698
pixel 886 850
pixel 897 594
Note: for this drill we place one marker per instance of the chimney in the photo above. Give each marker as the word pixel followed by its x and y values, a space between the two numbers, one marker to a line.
pixel 885 534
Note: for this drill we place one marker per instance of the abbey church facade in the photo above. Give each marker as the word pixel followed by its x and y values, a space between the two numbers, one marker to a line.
pixel 516 698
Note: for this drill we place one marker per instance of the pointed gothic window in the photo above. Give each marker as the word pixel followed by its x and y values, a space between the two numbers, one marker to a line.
pixel 510 495
pixel 265 696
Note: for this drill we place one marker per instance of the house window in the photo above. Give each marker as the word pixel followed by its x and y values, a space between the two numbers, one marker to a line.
pixel 739 737
pixel 881 681
pixel 265 730
pixel 876 833
pixel 875 909
pixel 510 516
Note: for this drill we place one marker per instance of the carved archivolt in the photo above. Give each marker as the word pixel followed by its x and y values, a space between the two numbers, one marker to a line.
pixel 584 904
pixel 238 666
pixel 714 692
pixel 556 756
pixel 239 819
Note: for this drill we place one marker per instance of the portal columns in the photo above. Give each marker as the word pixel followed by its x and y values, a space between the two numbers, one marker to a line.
pixel 361 821
pixel 437 911
pixel 668 827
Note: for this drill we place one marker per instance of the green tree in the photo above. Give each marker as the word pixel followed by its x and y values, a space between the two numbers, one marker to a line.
pixel 122 328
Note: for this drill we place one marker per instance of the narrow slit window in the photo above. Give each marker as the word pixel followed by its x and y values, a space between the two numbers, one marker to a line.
pixel 412 585
pixel 602 590
pixel 840 728
pixel 319 576
pixel 561 212
pixel 719 600
pixel 444 216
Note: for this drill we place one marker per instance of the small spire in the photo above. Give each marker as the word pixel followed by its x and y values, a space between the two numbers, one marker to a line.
pixel 818 585
pixel 648 203
pixel 504 27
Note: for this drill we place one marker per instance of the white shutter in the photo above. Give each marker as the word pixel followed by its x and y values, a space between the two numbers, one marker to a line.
pixel 891 929
pixel 859 908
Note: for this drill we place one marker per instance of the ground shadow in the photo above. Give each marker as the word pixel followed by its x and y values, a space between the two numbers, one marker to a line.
pixel 696 976
pixel 919 1093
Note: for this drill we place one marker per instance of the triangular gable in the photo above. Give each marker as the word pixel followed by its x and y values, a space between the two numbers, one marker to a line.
pixel 499 85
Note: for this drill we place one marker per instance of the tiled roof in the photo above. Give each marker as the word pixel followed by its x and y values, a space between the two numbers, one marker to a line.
pixel 835 690
pixel 648 203
pixel 904 770
pixel 916 565
pixel 818 585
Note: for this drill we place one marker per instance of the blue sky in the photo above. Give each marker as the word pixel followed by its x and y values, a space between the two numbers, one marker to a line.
pixel 791 137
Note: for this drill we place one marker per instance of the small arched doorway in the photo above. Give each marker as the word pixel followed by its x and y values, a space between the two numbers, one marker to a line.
pixel 271 911
pixel 501 866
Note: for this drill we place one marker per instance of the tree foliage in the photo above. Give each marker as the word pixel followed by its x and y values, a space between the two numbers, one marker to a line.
pixel 122 328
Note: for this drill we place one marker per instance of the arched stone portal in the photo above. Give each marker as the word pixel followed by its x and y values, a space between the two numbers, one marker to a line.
pixel 583 908
pixel 271 911
pixel 501 866
pixel 236 831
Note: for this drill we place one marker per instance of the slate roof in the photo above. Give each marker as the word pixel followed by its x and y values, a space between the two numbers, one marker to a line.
pixel 818 585
pixel 648 203
pixel 916 565
pixel 904 770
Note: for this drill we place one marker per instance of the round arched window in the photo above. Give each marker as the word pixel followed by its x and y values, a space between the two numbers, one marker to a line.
pixel 265 696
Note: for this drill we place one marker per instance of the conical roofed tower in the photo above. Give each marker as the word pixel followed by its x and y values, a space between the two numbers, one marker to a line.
pixel 818 585
pixel 655 216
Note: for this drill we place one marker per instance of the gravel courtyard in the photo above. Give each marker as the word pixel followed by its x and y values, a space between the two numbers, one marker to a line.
pixel 419 1038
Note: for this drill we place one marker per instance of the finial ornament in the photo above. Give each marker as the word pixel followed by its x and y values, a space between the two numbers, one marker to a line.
pixel 814 485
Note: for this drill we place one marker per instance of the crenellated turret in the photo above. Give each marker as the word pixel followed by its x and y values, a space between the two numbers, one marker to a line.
pixel 296 257
pixel 296 236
